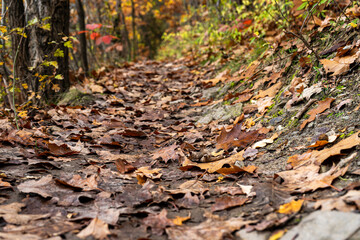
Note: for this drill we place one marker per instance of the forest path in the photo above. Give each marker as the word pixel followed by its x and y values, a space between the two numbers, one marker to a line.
pixel 136 164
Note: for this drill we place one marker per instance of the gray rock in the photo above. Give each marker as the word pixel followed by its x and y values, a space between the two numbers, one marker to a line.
pixel 325 225
pixel 276 120
pixel 243 235
pixel 220 112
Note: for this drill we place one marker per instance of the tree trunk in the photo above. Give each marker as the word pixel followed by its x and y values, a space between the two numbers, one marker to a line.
pixel 47 54
pixel 16 19
pixel 123 32
pixel 134 43
pixel 82 37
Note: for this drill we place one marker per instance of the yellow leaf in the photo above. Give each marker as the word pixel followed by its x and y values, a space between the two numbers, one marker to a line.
pixel 277 235
pixel 22 114
pixel 354 25
pixel 3 29
pixel 179 220
pixel 220 179
pixel 291 207
pixel 25 86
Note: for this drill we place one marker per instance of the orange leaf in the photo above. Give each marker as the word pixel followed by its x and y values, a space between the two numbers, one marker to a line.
pixel 291 207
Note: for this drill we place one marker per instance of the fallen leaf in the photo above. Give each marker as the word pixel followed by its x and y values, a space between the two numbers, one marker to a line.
pixel 229 190
pixel 97 228
pixel 264 142
pixel 308 178
pixel 237 138
pixel 322 106
pixel 4 184
pixel 335 67
pixel 38 187
pixel 123 166
pixel 77 182
pixel 212 167
pixel 158 222
pixel 167 153
pixel 292 207
pixel 277 235
pixel 145 172
pixel 270 92
pixel 235 169
pixel 347 203
pixel 226 202
pixel 215 229
pixel 318 144
pixel 179 220
pixel 192 186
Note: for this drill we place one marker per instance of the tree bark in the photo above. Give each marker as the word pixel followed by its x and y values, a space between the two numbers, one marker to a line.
pixel 44 43
pixel 134 43
pixel 82 37
pixel 16 19
pixel 123 32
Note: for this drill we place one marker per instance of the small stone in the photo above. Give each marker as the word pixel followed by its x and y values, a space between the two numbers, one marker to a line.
pixel 276 120
pixel 310 125
pixel 279 128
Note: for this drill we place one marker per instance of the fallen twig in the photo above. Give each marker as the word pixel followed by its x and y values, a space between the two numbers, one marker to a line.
pixel 305 108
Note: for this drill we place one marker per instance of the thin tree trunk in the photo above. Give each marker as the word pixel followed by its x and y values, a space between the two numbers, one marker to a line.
pixel 82 37
pixel 124 32
pixel 3 69
pixel 21 74
pixel 134 46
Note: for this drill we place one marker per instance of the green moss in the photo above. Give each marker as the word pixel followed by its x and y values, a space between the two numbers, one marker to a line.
pixel 76 98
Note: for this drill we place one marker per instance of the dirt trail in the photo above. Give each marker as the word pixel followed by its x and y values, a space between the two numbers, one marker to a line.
pixel 136 164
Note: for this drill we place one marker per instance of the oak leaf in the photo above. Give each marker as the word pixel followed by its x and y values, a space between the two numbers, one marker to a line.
pixel 237 138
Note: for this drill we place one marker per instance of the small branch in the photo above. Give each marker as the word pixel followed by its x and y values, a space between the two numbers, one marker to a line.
pixel 307 44
pixel 305 108
pixel 342 10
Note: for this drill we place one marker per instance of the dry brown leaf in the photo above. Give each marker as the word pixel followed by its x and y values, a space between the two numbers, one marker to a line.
pixel 38 187
pixel 347 203
pixel 317 157
pixel 192 186
pixel 145 172
pixel 158 222
pixel 225 202
pixel 308 178
pixel 167 153
pixel 243 98
pixel 212 167
pixel 237 138
pixel 77 182
pixel 263 103
pixel 235 169
pixel 270 92
pixel 335 67
pixel 97 228
pixel 322 106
